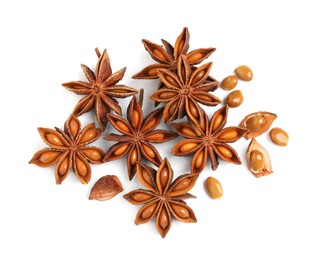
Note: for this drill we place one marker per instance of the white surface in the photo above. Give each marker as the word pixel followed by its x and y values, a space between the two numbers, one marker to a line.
pixel 42 46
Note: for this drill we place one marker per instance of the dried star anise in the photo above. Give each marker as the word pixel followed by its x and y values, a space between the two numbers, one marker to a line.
pixel 162 198
pixel 208 140
pixel 137 135
pixel 184 90
pixel 100 91
pixel 69 150
pixel 168 58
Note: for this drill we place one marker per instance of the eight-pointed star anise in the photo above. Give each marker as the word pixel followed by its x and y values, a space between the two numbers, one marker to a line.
pixel 69 150
pixel 100 91
pixel 209 139
pixel 136 138
pixel 163 198
pixel 168 58
pixel 184 90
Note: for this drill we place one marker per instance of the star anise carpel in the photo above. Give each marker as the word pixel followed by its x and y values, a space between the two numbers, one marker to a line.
pixel 69 149
pixel 101 90
pixel 208 140
pixel 137 135
pixel 184 90
pixel 163 198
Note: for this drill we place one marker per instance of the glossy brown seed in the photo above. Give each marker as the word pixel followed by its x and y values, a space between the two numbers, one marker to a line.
pixel 228 135
pixel 120 150
pixel 151 122
pixel 234 99
pixel 135 118
pixel 244 73
pixel 279 136
pixel 196 56
pixel 122 126
pixel 152 72
pixel 141 196
pixel 163 219
pixel 199 159
pixel 187 147
pixel 159 54
pixel 148 151
pixel 189 132
pixel 193 109
pixel 156 136
pixel 164 176
pixel 54 139
pixel 182 185
pixel 167 95
pixel 214 188
pixel 63 167
pixel 48 156
pixel 180 211
pixel 133 157
pixel 148 211
pixel 257 123
pixel 256 160
pixel 171 80
pixel 106 188
pixel 217 122
pixel 81 167
pixel 229 82
pixel 89 135
pixel 225 152
pixel 198 77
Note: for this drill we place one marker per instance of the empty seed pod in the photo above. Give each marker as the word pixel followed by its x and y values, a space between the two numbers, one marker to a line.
pixel 258 160
pixel 257 123
pixel 106 188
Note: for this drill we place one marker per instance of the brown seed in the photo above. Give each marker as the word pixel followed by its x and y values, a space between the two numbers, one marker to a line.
pixel 147 212
pixel 120 150
pixel 164 176
pixel 196 56
pixel 48 157
pixel 234 99
pixel 92 154
pixel 171 80
pixel 279 136
pixel 159 54
pixel 74 127
pixel 187 147
pixel 148 151
pixel 172 108
pixel 217 122
pixel 63 167
pixel 167 95
pixel 198 76
pixel 152 72
pixel 133 157
pixel 224 151
pixel 141 196
pixel 228 135
pixel 54 139
pixel 180 211
pixel 122 126
pixel 214 188
pixel 81 167
pixel 106 188
pixel 256 160
pixel 229 82
pixel 189 132
pixel 156 136
pixel 151 122
pixel 244 73
pixel 193 109
pixel 199 159
pixel 182 185
pixel 88 135
pixel 180 46
pixel 135 118
pixel 254 123
pixel 163 219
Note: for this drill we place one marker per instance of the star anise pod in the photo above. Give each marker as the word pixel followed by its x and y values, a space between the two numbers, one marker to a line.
pixel 101 90
pixel 184 90
pixel 138 133
pixel 163 198
pixel 209 139
pixel 168 57
pixel 69 150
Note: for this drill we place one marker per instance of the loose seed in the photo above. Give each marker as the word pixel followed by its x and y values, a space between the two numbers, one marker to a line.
pixel 279 136
pixel 229 82
pixel 234 99
pixel 214 188
pixel 187 147
pixel 244 73
pixel 256 160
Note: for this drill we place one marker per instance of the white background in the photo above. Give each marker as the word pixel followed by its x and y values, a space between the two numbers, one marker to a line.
pixel 275 217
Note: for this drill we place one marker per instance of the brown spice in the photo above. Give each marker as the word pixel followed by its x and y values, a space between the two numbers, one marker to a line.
pixel 234 99
pixel 101 90
pixel 279 136
pixel 209 139
pixel 163 198
pixel 257 123
pixel 213 188
pixel 106 188
pixel 69 150
pixel 138 133
pixel 229 82
pixel 243 72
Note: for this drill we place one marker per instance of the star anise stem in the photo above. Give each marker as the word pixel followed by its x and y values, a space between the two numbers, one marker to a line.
pixel 141 97
pixel 97 52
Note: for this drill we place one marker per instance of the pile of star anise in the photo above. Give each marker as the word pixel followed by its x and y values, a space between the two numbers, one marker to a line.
pixel 183 88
